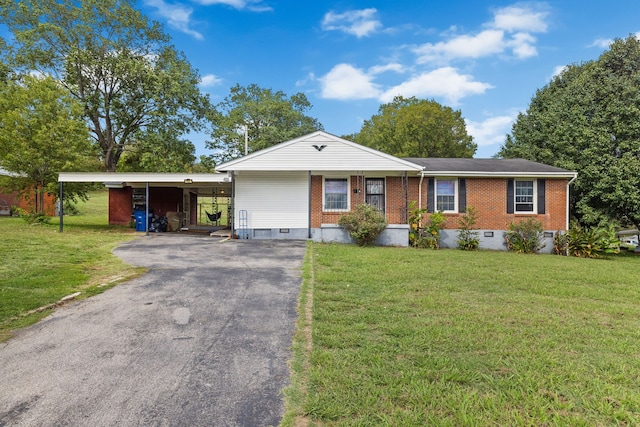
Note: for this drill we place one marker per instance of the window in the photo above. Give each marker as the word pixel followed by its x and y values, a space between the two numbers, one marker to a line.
pixel 336 194
pixel 524 196
pixel 446 195
pixel 375 193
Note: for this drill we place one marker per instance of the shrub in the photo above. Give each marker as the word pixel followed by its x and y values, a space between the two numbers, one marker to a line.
pixel 431 236
pixel 33 217
pixel 468 238
pixel 590 242
pixel 364 224
pixel 560 243
pixel 424 237
pixel 415 227
pixel 525 236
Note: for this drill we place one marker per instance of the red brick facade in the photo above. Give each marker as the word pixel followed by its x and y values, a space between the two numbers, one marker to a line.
pixel 487 195
pixel 25 200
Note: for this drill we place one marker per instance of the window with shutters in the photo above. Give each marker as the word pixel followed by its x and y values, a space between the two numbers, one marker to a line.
pixel 336 194
pixel 375 193
pixel 446 196
pixel 524 196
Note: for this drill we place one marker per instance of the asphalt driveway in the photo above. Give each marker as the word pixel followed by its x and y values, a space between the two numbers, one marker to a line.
pixel 202 339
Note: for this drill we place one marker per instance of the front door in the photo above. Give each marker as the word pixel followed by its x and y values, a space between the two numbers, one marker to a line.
pixel 375 193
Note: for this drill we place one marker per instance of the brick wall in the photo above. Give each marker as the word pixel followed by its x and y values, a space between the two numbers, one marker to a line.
pixel 489 197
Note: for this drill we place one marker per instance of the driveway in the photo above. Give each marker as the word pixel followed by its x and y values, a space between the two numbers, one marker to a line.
pixel 202 339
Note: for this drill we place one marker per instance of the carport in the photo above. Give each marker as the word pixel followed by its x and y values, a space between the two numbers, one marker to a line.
pixel 170 194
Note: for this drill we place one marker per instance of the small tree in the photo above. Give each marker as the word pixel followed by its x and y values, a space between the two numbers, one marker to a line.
pixel 364 224
pixel 525 236
pixel 468 238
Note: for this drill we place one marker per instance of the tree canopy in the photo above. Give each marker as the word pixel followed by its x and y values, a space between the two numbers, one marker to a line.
pixel 42 134
pixel 268 117
pixel 412 127
pixel 121 67
pixel 587 119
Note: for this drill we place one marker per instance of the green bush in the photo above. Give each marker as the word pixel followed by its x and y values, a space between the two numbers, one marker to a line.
pixel 468 238
pixel 33 217
pixel 364 224
pixel 590 242
pixel 525 236
pixel 415 227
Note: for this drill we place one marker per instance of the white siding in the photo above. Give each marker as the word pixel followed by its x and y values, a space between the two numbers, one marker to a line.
pixel 273 200
pixel 319 152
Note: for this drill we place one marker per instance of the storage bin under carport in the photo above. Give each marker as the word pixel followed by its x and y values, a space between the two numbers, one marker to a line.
pixel 139 217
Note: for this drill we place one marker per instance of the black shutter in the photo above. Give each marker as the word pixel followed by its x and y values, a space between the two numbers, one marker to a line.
pixel 430 195
pixel 510 196
pixel 462 195
pixel 541 195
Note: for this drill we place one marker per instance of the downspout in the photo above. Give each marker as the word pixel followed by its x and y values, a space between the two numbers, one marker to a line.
pixel 568 184
pixel 420 191
pixel 60 209
pixel 309 207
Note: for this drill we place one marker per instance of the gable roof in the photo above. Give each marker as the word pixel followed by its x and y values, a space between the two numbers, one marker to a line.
pixel 489 167
pixel 319 151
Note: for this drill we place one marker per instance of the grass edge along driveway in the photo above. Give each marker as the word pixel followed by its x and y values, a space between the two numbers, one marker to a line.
pixel 392 336
pixel 40 265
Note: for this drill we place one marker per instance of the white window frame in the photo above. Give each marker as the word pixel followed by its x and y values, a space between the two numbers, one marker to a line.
pixel 534 195
pixel 455 194
pixel 324 200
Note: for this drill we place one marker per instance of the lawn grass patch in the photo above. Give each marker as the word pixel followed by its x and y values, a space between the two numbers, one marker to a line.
pixel 40 265
pixel 421 337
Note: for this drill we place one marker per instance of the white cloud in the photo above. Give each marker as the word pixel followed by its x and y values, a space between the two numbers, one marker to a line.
pixel 210 80
pixel 251 5
pixel 601 43
pixel 486 43
pixel 510 29
pixel 177 16
pixel 359 23
pixel 558 70
pixel 490 131
pixel 311 77
pixel 346 82
pixel 379 69
pixel 521 18
pixel 443 82
pixel 522 45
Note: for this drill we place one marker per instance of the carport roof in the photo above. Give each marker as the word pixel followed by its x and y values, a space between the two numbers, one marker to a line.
pixel 143 177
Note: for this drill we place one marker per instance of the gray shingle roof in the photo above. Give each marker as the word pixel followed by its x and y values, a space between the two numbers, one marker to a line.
pixel 491 166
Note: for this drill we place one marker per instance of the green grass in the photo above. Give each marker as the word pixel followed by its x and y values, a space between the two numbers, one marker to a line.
pixel 423 337
pixel 39 265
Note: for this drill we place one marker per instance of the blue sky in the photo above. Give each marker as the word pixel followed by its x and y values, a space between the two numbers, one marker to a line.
pixel 486 59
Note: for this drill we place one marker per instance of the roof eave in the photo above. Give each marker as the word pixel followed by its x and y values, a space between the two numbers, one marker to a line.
pixel 478 174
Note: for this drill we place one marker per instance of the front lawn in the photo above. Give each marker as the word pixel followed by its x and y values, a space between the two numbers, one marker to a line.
pixel 390 336
pixel 39 265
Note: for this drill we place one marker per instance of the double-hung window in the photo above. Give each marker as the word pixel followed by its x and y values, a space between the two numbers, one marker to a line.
pixel 524 193
pixel 445 196
pixel 336 194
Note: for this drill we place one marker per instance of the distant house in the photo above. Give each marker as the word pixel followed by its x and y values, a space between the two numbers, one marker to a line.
pixel 23 199
pixel 299 189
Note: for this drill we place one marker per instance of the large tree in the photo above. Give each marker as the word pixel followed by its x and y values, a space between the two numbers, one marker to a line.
pixel 268 117
pixel 412 127
pixel 587 119
pixel 42 133
pixel 119 65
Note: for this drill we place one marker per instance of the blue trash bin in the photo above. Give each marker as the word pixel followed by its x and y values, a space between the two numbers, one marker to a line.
pixel 139 216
